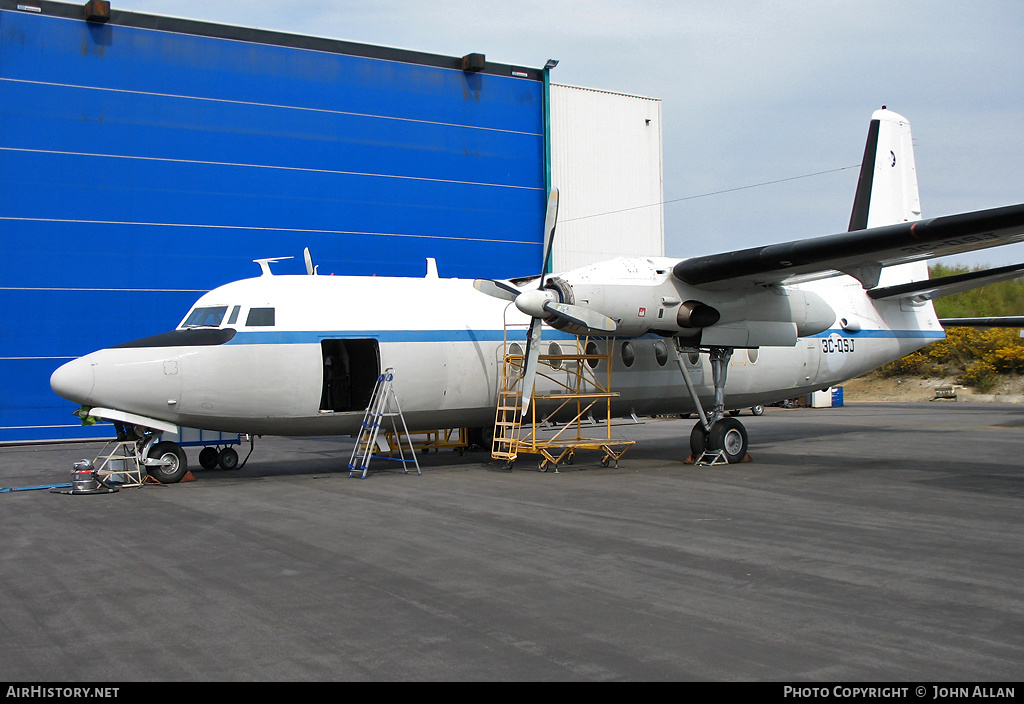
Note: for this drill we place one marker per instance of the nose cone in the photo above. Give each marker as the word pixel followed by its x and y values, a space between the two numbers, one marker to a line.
pixel 532 302
pixel 74 381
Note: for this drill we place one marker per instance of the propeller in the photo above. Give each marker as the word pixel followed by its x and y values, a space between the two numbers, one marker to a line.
pixel 542 304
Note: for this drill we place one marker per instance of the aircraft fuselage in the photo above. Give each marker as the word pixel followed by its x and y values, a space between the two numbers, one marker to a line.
pixel 298 355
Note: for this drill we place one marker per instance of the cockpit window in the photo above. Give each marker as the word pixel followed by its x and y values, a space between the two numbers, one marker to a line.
pixel 206 317
pixel 263 317
pixel 233 318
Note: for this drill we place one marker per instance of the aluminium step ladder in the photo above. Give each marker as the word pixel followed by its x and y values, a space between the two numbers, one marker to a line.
pixel 383 404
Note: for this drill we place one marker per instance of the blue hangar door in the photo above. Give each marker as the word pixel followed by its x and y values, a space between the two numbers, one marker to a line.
pixel 146 160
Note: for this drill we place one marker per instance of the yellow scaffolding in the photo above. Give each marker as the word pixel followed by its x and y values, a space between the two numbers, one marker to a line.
pixel 436 440
pixel 579 398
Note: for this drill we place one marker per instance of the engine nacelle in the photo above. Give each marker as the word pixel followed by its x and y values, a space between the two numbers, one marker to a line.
pixel 758 317
pixel 694 314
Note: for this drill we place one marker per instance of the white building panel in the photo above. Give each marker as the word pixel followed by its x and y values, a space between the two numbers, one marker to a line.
pixel 606 163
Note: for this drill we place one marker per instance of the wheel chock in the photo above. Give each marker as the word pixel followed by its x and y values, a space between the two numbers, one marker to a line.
pixel 188 477
pixel 693 460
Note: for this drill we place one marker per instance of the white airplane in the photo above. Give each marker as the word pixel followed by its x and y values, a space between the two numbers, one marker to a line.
pixel 300 355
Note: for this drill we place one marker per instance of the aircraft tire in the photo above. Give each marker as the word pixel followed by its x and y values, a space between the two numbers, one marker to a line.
pixel 729 435
pixel 698 440
pixel 758 409
pixel 208 458
pixel 228 458
pixel 481 437
pixel 173 472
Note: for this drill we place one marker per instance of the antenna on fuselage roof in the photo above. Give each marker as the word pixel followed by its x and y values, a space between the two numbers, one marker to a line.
pixel 265 264
pixel 310 269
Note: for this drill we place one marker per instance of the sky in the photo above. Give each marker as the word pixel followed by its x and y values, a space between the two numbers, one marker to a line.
pixel 753 92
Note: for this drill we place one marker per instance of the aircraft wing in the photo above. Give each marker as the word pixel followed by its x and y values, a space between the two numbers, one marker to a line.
pixel 861 253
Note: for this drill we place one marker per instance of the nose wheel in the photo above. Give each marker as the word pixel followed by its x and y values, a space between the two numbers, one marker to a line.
pixel 171 463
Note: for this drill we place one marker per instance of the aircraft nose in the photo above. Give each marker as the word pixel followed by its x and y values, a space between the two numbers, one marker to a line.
pixel 74 381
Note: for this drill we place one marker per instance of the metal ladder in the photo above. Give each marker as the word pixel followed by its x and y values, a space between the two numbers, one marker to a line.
pixel 508 417
pixel 383 404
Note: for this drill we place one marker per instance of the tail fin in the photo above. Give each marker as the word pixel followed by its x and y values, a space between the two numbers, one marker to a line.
pixel 887 191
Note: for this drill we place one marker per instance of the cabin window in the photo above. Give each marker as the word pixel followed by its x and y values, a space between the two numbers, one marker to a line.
pixel 661 353
pixel 628 354
pixel 555 351
pixel 260 317
pixel 205 317
pixel 592 349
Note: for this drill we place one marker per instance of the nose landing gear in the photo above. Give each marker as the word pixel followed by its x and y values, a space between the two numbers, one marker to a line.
pixel 171 463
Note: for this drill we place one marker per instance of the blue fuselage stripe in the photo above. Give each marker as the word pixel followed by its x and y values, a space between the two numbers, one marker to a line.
pixel 890 334
pixel 277 337
pixel 314 336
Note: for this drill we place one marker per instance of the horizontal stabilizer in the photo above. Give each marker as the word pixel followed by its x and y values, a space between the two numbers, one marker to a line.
pixel 947 285
pixel 858 251
pixel 1010 321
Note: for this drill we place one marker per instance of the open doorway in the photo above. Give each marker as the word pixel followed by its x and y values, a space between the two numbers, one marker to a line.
pixel 351 368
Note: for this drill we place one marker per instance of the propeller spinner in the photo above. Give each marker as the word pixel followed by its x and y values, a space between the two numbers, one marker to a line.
pixel 542 304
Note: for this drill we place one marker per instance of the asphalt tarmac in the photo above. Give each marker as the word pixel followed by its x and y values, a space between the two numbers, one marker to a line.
pixel 864 543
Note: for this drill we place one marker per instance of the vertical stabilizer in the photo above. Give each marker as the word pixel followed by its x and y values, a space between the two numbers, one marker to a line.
pixel 887 191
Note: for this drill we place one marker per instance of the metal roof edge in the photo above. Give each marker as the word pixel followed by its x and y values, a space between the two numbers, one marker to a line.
pixel 138 20
pixel 607 92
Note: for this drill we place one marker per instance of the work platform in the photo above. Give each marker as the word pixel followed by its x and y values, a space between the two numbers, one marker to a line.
pixel 575 416
pixel 121 462
pixel 426 440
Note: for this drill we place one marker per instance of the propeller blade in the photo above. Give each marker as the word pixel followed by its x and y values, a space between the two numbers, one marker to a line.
pixel 550 218
pixel 496 289
pixel 581 316
pixel 530 372
pixel 533 337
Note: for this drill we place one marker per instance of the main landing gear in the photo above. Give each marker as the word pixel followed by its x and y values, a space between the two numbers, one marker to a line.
pixel 716 438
